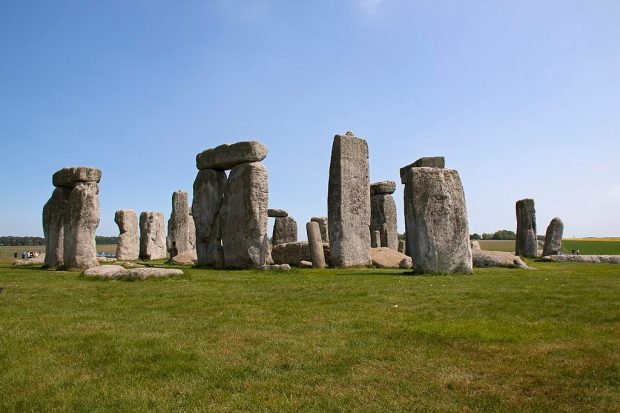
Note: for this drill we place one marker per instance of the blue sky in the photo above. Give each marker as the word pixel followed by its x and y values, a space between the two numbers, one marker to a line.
pixel 521 97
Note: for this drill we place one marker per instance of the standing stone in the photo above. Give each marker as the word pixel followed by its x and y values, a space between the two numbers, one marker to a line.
pixel 402 247
pixel 375 239
pixel 81 222
pixel 425 162
pixel 553 237
pixel 244 216
pixel 316 245
pixel 526 245
pixel 383 213
pixel 284 230
pixel 128 247
pixel 54 225
pixel 437 228
pixel 208 195
pixel 348 202
pixel 152 236
pixel 322 221
pixel 180 238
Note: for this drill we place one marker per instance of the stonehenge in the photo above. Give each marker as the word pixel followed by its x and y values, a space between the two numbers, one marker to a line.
pixel 525 244
pixel 71 218
pixel 181 229
pixel 348 202
pixel 383 214
pixel 152 236
pixel 553 237
pixel 128 247
pixel 293 253
pixel 436 221
pixel 230 213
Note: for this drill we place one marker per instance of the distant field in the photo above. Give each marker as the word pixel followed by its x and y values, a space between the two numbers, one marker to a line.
pixel 492 245
pixel 592 246
pixel 7 252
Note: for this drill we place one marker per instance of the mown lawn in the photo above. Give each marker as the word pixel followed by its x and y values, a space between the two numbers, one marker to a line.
pixel 594 247
pixel 322 341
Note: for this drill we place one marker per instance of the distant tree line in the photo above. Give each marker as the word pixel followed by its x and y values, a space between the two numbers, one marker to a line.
pixel 33 241
pixel 502 234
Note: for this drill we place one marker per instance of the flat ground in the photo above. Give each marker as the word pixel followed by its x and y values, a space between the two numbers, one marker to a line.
pixel 335 340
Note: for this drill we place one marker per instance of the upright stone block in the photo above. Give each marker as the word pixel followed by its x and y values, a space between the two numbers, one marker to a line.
pixel 349 202
pixel 244 216
pixel 316 245
pixel 425 162
pixel 152 236
pixel 284 230
pixel 208 196
pixel 128 247
pixel 553 237
pixel 322 221
pixel 437 227
pixel 526 244
pixel 180 238
pixel 54 225
pixel 81 222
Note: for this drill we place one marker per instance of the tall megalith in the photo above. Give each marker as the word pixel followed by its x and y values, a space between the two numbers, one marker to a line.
pixel 526 244
pixel 383 213
pixel 284 230
pixel 553 237
pixel 152 236
pixel 323 227
pixel 437 226
pixel 230 213
pixel 181 231
pixel 128 247
pixel 71 218
pixel 348 202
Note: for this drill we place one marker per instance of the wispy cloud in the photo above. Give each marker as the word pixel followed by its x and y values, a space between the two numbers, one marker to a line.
pixel 370 6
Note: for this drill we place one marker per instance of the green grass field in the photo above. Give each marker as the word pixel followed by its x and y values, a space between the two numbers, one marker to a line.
pixel 588 247
pixel 320 341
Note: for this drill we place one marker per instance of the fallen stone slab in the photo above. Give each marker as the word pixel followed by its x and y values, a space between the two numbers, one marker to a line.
pixel 71 176
pixel 406 263
pixel 385 257
pixel 484 259
pixel 277 213
pixel 305 264
pixel 113 272
pixel 592 259
pixel 275 267
pixel 293 253
pixel 227 156
pixel 185 258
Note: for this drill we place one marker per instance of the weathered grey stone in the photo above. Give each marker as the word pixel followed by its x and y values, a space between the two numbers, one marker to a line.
pixel 305 264
pixel 208 195
pixel 402 248
pixel 228 156
pixel 375 239
pixel 383 219
pixel 437 228
pixel 322 221
pixel 128 247
pixel 274 267
pixel 152 236
pixel 181 232
pixel 592 259
pixel 483 259
pixel 69 177
pixel 81 222
pixel 244 216
pixel 144 273
pixel 54 225
pixel 284 230
pixel 525 244
pixel 553 237
pixel 406 263
pixel 382 188
pixel 426 162
pixel 277 213
pixel 185 258
pixel 106 272
pixel 293 253
pixel 317 255
pixel 349 202
pixel 475 245
pixel 384 257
